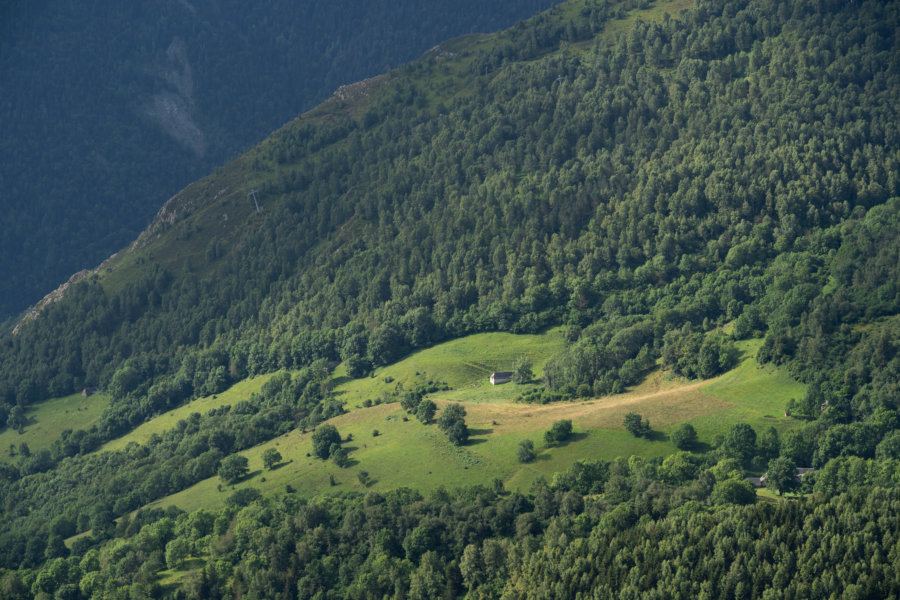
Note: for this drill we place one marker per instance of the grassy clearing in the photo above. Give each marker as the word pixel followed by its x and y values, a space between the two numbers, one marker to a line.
pixel 464 364
pixel 48 419
pixel 757 395
pixel 164 422
pixel 408 453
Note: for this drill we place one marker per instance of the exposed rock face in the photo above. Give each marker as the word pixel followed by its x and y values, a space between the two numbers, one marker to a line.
pixel 51 297
pixel 173 109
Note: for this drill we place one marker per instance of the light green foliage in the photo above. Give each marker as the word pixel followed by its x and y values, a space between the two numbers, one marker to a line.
pixel 522 370
pixel 781 475
pixel 525 451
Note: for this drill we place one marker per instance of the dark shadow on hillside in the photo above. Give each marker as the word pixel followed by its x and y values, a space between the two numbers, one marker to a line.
pixel 701 447
pixel 277 466
pixel 574 437
pixel 250 475
pixel 337 381
pixel 657 436
pixel 475 441
pixel 476 432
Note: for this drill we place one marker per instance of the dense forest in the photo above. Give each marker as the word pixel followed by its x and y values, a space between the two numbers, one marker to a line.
pixel 660 190
pixel 107 112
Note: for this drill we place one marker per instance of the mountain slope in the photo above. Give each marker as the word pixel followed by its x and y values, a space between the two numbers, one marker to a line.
pixel 643 182
pixel 106 113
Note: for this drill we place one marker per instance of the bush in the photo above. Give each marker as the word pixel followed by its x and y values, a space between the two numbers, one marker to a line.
pixel 323 439
pixel 637 426
pixel 685 437
pixel 525 453
pixel 559 432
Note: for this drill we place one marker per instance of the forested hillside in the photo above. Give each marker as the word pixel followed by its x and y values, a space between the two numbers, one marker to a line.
pixel 107 112
pixel 660 179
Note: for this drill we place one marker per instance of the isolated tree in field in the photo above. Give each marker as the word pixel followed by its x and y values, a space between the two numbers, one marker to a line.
pixel 781 475
pixel 324 436
pixel 363 477
pixel 637 426
pixel 426 410
pixel 16 419
pixel 339 456
pixel 453 423
pixel 685 437
pixel 525 452
pixel 450 415
pixel 522 372
pixel 233 468
pixel 271 457
pixel 559 432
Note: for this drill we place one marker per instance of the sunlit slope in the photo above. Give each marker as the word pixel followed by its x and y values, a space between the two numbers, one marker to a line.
pixel 48 419
pixel 408 453
pixel 159 425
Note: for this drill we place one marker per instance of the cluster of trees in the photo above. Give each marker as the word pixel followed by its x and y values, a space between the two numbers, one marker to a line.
pixel 452 422
pixel 684 523
pixel 327 444
pixel 91 489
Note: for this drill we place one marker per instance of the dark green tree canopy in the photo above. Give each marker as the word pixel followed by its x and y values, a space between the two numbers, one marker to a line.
pixel 324 438
pixel 234 468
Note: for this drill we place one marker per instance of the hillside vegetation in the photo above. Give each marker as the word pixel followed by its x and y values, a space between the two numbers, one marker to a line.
pixel 107 113
pixel 709 193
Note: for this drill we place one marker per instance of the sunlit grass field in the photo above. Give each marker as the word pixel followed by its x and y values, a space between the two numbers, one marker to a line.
pixel 48 419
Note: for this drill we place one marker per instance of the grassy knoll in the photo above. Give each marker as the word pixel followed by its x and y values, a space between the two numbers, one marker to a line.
pixel 48 419
pixel 168 420
pixel 408 453
pixel 464 364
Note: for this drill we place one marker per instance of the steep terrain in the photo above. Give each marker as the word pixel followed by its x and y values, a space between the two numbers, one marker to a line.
pixel 708 192
pixel 106 113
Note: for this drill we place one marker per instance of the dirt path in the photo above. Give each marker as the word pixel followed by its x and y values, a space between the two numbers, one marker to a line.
pixel 661 406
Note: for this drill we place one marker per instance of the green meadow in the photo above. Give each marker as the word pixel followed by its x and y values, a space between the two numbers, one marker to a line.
pixel 407 453
pixel 168 420
pixel 464 364
pixel 48 419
